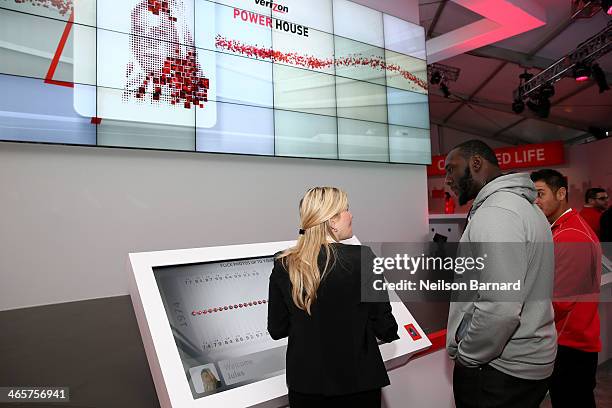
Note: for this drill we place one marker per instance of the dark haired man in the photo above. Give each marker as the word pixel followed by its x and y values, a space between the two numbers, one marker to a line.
pixel 576 291
pixel 504 348
pixel 595 203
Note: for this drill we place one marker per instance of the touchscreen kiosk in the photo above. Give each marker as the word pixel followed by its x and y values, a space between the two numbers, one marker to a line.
pixel 202 314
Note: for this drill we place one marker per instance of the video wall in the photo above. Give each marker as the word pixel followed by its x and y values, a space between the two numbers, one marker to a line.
pixel 326 79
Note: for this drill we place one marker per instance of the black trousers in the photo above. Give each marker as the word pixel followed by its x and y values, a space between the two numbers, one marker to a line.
pixel 486 387
pixel 573 379
pixel 367 399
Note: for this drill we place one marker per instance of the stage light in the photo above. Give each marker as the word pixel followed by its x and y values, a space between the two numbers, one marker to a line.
pixel 606 6
pixel 547 91
pixel 525 76
pixel 518 106
pixel 444 89
pixel 600 77
pixel 436 77
pixel 582 72
pixel 540 105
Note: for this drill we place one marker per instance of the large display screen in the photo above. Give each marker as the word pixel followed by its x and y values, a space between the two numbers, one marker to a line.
pixel 324 79
pixel 218 316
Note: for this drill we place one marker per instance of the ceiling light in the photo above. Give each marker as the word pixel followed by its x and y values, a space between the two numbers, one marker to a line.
pixel 444 89
pixel 547 91
pixel 600 77
pixel 582 72
pixel 540 106
pixel 518 106
pixel 436 77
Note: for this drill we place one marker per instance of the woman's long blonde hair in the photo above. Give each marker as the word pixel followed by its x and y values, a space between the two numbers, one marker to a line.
pixel 319 205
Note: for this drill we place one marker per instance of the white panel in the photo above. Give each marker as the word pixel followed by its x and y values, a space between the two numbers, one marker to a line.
pixel 361 100
pixel 304 135
pixel 312 13
pixel 304 91
pixel 409 145
pixel 404 37
pixel 359 140
pixel 243 80
pixel 370 26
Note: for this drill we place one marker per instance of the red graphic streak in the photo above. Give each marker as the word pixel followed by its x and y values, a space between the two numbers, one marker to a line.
pixel 62 6
pixel 58 53
pixel 311 62
pixel 228 307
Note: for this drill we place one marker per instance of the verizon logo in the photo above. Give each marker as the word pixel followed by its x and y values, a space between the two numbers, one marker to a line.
pixel 279 8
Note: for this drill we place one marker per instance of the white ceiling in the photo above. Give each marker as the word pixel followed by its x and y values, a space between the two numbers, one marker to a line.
pixel 482 97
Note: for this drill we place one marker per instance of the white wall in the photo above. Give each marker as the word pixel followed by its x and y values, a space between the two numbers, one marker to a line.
pixel 70 215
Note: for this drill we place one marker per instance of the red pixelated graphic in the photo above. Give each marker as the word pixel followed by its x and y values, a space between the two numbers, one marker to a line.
pixel 228 307
pixel 164 66
pixel 311 62
pixel 62 6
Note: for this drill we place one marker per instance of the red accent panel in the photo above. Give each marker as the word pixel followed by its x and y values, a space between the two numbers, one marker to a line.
pixel 515 157
pixel 412 331
pixel 438 342
pixel 58 53
pixel 437 193
pixel 96 120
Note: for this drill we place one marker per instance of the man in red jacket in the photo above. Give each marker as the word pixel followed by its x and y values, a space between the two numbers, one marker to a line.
pixel 596 202
pixel 576 294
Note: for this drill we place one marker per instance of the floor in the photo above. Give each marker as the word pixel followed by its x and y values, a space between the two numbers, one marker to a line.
pixel 603 391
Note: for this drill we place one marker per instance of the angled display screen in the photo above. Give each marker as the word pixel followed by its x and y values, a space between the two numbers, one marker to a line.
pixel 218 314
pixel 219 76
pixel 202 314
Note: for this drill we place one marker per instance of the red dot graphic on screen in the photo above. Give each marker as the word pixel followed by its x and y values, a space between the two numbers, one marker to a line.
pixel 311 62
pixel 62 6
pixel 164 67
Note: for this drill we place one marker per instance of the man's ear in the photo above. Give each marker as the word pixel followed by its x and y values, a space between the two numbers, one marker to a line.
pixel 476 163
pixel 561 194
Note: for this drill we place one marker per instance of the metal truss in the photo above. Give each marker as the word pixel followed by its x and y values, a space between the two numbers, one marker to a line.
pixel 446 71
pixel 587 52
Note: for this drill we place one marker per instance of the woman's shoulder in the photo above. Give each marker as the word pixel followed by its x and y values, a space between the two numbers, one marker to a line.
pixel 354 250
pixel 279 269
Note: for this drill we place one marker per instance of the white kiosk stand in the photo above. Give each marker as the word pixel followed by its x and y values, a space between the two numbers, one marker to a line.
pixel 202 315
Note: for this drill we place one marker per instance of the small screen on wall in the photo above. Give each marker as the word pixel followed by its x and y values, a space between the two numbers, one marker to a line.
pixel 320 79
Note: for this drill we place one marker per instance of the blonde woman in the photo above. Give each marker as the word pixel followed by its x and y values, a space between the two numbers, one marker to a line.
pixel 315 299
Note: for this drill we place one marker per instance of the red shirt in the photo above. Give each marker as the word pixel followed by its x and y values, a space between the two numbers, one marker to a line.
pixel 577 282
pixel 592 216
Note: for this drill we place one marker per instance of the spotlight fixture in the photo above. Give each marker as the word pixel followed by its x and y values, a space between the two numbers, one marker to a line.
pixel 444 89
pixel 547 91
pixel 600 77
pixel 525 76
pixel 606 6
pixel 582 72
pixel 518 106
pixel 436 77
pixel 540 105
pixel 598 132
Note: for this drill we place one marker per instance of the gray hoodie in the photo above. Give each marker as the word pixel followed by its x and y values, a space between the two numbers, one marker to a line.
pixel 516 335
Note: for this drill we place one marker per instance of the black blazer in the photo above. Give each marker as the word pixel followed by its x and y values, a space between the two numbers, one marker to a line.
pixel 334 351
